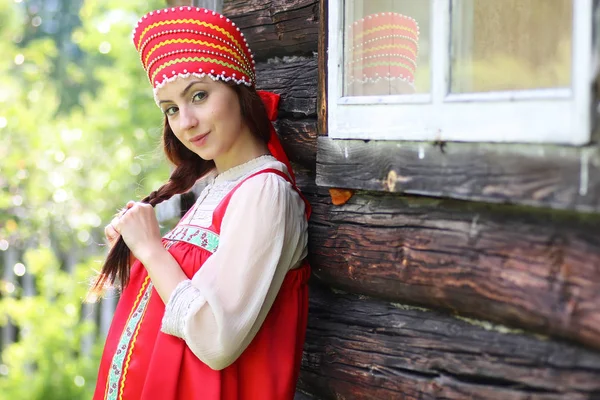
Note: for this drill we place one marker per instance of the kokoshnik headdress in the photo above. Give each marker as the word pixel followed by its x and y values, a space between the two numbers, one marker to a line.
pixel 382 46
pixel 184 41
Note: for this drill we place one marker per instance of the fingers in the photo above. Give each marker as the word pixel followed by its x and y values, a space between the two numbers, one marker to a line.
pixel 131 209
pixel 111 233
pixel 113 224
pixel 128 206
pixel 132 205
pixel 112 230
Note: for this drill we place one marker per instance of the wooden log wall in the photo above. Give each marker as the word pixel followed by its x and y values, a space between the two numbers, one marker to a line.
pixel 360 348
pixel 421 298
pixel 535 269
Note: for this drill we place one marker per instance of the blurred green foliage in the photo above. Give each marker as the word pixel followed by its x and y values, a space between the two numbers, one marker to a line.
pixel 79 136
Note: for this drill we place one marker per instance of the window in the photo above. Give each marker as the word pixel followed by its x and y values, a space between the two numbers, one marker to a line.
pixel 460 70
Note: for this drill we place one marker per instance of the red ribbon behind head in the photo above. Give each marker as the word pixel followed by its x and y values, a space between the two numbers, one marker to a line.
pixel 271 102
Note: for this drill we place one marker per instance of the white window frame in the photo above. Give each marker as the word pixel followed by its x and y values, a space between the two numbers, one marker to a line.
pixel 531 116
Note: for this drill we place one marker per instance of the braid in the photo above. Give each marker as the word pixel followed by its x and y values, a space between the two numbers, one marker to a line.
pixel 189 168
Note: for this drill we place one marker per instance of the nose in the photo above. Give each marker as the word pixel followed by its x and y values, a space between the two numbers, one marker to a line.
pixel 187 119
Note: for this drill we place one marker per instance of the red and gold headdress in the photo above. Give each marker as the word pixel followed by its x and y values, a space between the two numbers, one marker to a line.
pixel 184 41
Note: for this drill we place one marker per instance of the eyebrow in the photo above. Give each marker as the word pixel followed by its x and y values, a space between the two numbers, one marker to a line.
pixel 183 92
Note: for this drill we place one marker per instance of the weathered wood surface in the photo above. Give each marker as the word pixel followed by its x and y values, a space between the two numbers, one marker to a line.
pixel 277 28
pixel 176 3
pixel 534 269
pixel 549 176
pixel 298 138
pixel 295 79
pixel 216 5
pixel 322 86
pixel 303 396
pixel 358 348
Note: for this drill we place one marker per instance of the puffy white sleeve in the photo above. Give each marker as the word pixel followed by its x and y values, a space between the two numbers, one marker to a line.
pixel 263 235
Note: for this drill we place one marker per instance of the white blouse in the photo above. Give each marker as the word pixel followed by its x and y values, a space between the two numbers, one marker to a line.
pixel 263 235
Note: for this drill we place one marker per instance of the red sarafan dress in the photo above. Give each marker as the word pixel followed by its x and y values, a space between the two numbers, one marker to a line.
pixel 141 362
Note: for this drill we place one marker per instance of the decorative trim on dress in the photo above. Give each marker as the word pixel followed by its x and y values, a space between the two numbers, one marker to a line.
pixel 120 361
pixel 195 235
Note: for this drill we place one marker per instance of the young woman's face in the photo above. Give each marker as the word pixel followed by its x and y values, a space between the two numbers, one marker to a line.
pixel 205 116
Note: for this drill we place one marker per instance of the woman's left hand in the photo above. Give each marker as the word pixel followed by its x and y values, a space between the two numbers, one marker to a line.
pixel 139 229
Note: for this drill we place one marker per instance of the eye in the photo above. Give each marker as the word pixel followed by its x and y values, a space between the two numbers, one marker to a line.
pixel 171 111
pixel 199 96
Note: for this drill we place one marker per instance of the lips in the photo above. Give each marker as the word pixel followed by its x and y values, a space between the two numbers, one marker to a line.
pixel 198 139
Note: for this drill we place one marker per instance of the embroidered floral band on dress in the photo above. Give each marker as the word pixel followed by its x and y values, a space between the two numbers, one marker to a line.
pixel 121 360
pixel 200 237
pixel 192 41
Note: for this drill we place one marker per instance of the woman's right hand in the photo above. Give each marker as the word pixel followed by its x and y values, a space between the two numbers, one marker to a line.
pixel 110 232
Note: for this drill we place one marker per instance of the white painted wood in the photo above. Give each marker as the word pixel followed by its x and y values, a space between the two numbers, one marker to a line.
pixel 582 72
pixel 393 99
pixel 596 40
pixel 440 50
pixel 508 95
pixel 483 122
pixel 440 64
pixel 335 61
pixel 559 116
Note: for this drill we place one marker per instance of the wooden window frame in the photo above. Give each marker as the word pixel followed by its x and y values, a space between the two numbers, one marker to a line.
pixel 531 116
pixel 561 177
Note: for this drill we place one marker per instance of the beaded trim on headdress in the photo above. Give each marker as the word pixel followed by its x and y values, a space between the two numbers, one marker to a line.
pixel 382 46
pixel 185 41
pixel 190 41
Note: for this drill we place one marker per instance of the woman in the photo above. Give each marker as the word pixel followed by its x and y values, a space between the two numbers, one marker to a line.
pixel 216 309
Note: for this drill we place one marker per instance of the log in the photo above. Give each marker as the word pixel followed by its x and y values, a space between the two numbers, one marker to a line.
pixel 536 175
pixel 360 348
pixel 295 79
pixel 299 140
pixel 303 396
pixel 533 269
pixel 277 28
pixel 177 3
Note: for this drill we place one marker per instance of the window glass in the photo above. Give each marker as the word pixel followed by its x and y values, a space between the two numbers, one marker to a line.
pixel 511 45
pixel 386 47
